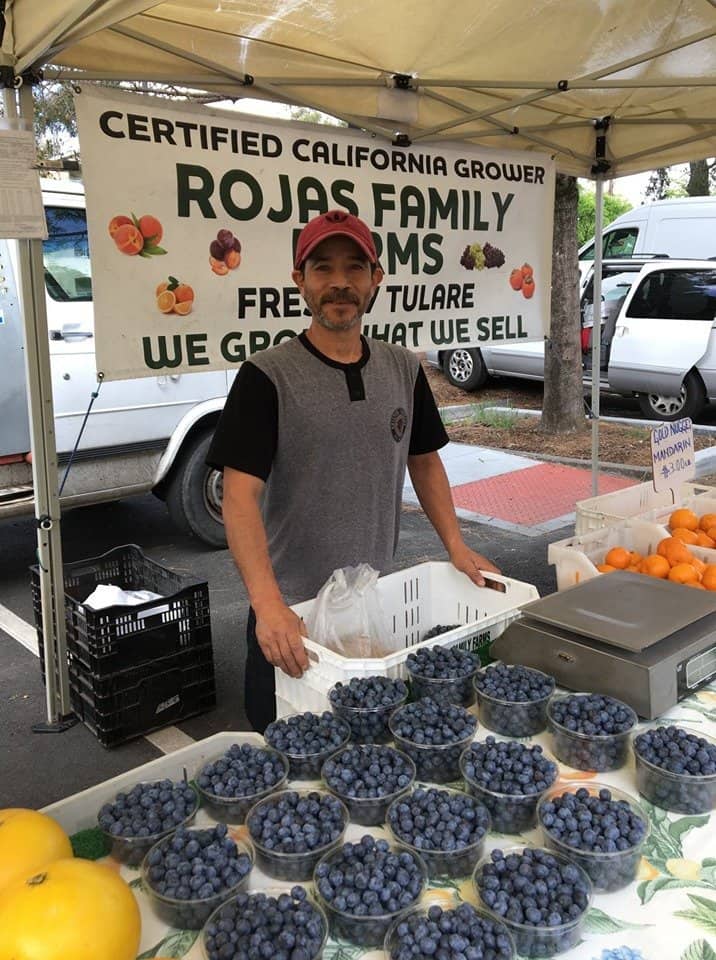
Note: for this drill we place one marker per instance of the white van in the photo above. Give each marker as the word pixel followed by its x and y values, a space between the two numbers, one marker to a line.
pixel 684 228
pixel 144 434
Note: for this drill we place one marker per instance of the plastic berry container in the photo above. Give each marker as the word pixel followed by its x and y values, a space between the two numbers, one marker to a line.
pixel 391 944
pixel 459 690
pixel 607 871
pixel 132 850
pixel 307 766
pixel 371 811
pixel 510 812
pixel 368 931
pixel 368 724
pixel 190 914
pixel 438 763
pixel 222 915
pixel 678 792
pixel 581 751
pixel 234 809
pixel 533 941
pixel 513 718
pixel 444 863
pixel 292 867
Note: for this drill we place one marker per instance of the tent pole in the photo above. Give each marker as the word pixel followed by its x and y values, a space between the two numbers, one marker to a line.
pixel 597 329
pixel 44 470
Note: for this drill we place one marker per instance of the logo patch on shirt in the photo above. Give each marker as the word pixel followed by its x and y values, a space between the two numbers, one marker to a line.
pixel 398 423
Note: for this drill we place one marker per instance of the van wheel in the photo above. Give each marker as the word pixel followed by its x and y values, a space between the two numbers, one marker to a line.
pixel 465 368
pixel 689 402
pixel 195 493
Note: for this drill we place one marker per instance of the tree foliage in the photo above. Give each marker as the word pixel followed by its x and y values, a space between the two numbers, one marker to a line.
pixel 699 180
pixel 614 206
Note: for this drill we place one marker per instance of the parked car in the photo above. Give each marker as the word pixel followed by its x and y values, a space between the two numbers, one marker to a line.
pixel 658 338
pixel 681 227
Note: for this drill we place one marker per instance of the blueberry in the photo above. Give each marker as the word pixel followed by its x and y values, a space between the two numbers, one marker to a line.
pixel 364 884
pixel 183 868
pixel 513 699
pixel 676 769
pixel 307 739
pixel 447 828
pixel 291 831
pixel 367 777
pixel 443 673
pixel 261 927
pixel 149 810
pixel 590 730
pixel 433 733
pixel 544 922
pixel 365 704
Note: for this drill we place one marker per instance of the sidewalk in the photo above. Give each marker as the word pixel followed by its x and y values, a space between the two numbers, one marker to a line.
pixel 515 493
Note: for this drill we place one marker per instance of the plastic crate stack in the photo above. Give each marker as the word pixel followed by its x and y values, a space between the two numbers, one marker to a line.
pixel 133 669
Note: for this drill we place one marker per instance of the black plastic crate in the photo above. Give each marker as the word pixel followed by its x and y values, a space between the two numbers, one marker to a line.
pixel 116 638
pixel 136 701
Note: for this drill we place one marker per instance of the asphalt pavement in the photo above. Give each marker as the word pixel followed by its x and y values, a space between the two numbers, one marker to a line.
pixel 38 769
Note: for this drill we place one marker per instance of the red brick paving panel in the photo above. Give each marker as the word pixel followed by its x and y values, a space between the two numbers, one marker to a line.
pixel 534 494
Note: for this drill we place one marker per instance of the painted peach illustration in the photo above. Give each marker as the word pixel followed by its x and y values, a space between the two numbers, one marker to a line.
pixel 128 239
pixel 116 222
pixel 150 228
pixel 218 266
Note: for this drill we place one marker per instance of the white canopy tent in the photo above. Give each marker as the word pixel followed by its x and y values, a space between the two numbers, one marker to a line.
pixel 604 86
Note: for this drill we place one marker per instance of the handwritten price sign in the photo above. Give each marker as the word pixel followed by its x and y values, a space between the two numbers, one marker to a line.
pixel 672 454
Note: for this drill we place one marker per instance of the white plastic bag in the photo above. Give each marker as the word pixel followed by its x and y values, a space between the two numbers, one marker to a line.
pixel 347 616
pixel 108 595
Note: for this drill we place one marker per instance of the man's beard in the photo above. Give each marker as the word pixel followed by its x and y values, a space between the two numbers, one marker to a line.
pixel 320 317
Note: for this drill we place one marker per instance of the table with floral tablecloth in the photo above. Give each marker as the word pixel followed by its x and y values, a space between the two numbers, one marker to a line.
pixel 668 913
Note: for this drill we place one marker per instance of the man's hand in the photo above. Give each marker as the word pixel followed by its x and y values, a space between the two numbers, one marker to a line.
pixel 471 563
pixel 279 631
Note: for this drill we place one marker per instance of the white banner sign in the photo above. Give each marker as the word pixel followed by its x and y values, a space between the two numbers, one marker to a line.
pixel 672 454
pixel 193 217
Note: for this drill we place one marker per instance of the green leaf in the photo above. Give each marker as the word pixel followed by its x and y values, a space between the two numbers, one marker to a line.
pixel 135 221
pixel 177 944
pixel 680 827
pixel 647 889
pixel 136 884
pixel 342 950
pixel 153 251
pixel 143 253
pixel 173 283
pixel 699 950
pixel 703 914
pixel 598 922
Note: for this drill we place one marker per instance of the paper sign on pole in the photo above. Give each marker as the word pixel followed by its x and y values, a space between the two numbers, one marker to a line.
pixel 193 215
pixel 22 216
pixel 672 454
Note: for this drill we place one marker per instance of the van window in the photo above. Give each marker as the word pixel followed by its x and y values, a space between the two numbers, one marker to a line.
pixel 615 243
pixel 66 254
pixel 676 295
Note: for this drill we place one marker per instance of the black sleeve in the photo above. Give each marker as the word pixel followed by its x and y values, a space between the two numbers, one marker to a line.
pixel 427 433
pixel 247 432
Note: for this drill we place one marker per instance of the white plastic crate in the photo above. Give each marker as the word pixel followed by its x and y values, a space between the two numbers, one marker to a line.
pixel 598 512
pixel 576 558
pixel 700 505
pixel 414 601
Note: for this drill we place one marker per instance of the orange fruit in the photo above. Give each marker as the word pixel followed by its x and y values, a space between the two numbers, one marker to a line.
pixel 161 287
pixel 184 307
pixel 698 565
pixel 674 550
pixel 683 518
pixel 635 557
pixel 683 573
pixel 655 566
pixel 711 532
pixel 634 568
pixel 685 535
pixel 704 540
pixel 695 584
pixel 618 557
pixel 708 576
pixel 707 520
pixel 605 568
pixel 166 301
pixel 183 293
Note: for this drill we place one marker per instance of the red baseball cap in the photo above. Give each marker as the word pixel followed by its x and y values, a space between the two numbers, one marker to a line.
pixel 335 223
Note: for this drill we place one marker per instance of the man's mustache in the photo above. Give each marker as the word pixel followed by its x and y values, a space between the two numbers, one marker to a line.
pixel 340 298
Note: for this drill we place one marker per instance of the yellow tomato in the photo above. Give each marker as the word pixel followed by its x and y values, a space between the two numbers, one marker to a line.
pixel 72 909
pixel 28 841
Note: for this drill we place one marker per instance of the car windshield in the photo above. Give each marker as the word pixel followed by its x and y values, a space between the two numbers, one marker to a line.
pixel 66 254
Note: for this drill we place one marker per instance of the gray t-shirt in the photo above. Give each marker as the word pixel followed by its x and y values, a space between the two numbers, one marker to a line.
pixel 331 441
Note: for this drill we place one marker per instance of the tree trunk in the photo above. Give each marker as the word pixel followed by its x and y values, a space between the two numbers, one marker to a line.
pixel 563 408
pixel 698 183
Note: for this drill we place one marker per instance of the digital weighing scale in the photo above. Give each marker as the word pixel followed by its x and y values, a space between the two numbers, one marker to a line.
pixel 645 641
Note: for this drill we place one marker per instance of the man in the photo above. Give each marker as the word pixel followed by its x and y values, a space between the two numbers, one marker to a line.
pixel 314 441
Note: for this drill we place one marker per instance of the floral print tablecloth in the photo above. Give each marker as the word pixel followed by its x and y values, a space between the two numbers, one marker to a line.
pixel 668 913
